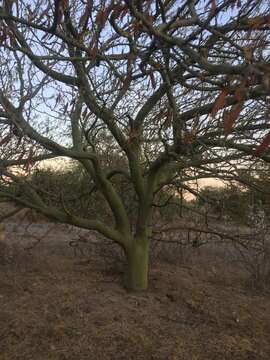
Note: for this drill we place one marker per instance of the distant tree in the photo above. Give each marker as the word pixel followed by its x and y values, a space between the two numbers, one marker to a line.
pixel 258 194
pixel 179 89
pixel 225 202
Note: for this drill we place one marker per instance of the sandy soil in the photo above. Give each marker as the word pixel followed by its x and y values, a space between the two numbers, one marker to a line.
pixel 57 306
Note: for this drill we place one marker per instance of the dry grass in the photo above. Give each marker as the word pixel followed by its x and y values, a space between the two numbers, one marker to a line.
pixel 53 306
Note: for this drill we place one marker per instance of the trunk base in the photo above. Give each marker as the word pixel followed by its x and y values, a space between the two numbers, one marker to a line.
pixel 137 273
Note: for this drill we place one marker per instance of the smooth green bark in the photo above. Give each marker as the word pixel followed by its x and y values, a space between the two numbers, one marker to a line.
pixel 138 263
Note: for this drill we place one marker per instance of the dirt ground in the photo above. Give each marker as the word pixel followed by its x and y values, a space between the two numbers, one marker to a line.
pixel 57 306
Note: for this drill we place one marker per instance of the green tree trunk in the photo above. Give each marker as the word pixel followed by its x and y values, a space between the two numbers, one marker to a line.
pixel 137 272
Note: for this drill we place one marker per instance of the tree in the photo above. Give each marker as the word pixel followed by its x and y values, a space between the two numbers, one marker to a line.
pixel 180 90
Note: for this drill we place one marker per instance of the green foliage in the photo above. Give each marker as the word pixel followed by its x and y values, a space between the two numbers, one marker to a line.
pixel 72 189
pixel 235 200
pixel 69 189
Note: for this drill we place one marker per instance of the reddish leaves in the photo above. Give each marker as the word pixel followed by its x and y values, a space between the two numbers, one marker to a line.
pixel 93 50
pixel 220 101
pixel 189 137
pixel 263 146
pixel 119 11
pixel 258 21
pixel 61 7
pixel 103 14
pixel 85 16
pixel 213 5
pixel 239 95
pixel 101 17
pixel 231 116
pixel 64 4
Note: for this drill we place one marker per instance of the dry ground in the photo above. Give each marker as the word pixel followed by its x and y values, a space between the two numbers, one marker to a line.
pixel 55 306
